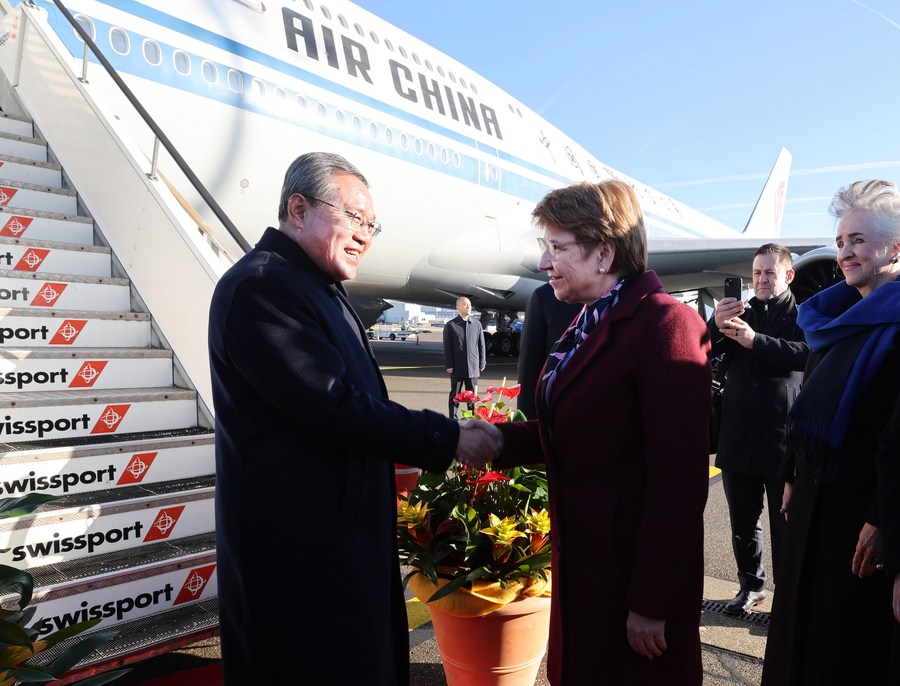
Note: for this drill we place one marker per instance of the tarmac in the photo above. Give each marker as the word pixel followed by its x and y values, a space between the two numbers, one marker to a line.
pixel 732 647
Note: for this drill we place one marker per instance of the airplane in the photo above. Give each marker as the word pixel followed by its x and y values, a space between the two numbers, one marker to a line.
pixel 455 163
pixel 105 395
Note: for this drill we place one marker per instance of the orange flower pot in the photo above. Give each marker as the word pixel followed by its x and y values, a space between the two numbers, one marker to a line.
pixel 503 648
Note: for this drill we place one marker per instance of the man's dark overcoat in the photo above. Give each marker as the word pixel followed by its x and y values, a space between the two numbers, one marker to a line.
pixel 628 469
pixel 761 386
pixel 308 573
pixel 464 350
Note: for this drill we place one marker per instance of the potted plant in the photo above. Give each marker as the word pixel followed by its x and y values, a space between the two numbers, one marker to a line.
pixel 478 545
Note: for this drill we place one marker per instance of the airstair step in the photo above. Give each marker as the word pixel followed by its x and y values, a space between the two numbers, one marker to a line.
pixel 31 196
pixel 16 126
pixel 73 329
pixel 30 171
pixel 46 226
pixel 97 368
pixel 63 292
pixel 23 146
pixel 26 417
pixel 46 538
pixel 52 257
pixel 110 467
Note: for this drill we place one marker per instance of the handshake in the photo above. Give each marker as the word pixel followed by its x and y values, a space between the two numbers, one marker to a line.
pixel 479 443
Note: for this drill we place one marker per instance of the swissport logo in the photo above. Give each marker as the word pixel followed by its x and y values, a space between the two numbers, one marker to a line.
pixel 197 580
pixel 88 374
pixel 16 226
pixel 164 523
pixel 31 260
pixel 110 419
pixel 48 294
pixel 7 194
pixel 68 331
pixel 137 468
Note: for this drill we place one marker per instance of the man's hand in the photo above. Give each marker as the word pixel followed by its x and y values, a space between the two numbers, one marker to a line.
pixel 479 443
pixel 786 499
pixel 897 597
pixel 728 309
pixel 869 551
pixel 646 636
pixel 449 370
pixel 739 331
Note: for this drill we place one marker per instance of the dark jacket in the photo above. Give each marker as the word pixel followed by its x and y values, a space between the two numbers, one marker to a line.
pixel 546 319
pixel 761 386
pixel 464 347
pixel 305 497
pixel 628 468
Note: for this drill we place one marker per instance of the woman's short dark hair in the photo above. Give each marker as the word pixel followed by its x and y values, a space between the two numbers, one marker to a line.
pixel 597 213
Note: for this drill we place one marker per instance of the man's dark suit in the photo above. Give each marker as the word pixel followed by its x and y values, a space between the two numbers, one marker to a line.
pixel 306 510
pixel 465 353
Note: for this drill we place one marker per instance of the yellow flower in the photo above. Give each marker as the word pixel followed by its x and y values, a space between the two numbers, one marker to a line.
pixel 502 531
pixel 414 516
pixel 538 522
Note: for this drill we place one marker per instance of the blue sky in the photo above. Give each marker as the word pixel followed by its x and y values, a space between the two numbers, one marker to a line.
pixel 695 98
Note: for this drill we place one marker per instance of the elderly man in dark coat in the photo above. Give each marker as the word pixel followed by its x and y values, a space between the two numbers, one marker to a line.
pixel 305 441
pixel 464 352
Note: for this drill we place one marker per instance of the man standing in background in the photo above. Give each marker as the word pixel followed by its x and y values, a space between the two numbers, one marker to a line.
pixel 764 354
pixel 464 352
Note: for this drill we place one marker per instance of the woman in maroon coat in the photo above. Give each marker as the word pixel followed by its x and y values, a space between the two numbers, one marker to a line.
pixel 623 424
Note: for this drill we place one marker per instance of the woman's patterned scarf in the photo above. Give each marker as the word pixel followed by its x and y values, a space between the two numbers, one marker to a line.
pixel 575 335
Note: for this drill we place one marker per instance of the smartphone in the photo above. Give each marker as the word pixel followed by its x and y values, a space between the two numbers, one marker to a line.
pixel 734 287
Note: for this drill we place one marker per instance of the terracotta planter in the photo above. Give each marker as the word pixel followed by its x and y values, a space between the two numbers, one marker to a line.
pixel 503 648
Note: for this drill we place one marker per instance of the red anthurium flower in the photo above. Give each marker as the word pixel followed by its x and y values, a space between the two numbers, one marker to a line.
pixel 511 392
pixel 466 397
pixel 488 415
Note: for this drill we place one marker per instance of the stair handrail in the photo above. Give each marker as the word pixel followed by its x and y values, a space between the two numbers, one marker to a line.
pixel 154 127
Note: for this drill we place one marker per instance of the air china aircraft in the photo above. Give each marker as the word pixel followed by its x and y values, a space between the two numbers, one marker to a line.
pixel 456 164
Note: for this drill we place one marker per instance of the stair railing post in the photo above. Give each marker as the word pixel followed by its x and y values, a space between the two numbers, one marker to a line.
pixel 84 64
pixel 155 159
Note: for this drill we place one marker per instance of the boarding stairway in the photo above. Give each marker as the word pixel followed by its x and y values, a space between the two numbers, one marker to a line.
pixel 94 409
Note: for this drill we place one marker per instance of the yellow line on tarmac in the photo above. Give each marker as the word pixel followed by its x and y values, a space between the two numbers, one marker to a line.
pixel 416 613
pixel 714 471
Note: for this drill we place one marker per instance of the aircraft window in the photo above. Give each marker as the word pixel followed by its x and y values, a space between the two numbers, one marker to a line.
pixel 457 160
pixel 374 37
pixel 321 111
pixel 357 124
pixel 428 65
pixel 343 21
pixel 209 71
pixel 258 88
pixel 280 96
pixel 388 45
pixel 301 102
pixel 389 135
pixel 511 108
pixel 373 130
pixel 474 90
pixel 182 62
pixel 416 58
pixel 445 156
pixel 309 5
pixel 235 80
pixel 339 117
pixel 119 41
pixel 325 11
pixel 402 50
pixel 452 77
pixel 440 70
pixel 359 29
pixel 432 151
pixel 462 82
pixel 518 111
pixel 152 53
pixel 87 25
pixel 404 141
pixel 417 144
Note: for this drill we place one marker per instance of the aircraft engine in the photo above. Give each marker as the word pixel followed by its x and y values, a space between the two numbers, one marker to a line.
pixel 815 270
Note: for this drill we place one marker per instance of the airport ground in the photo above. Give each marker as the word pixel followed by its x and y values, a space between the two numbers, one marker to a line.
pixel 414 371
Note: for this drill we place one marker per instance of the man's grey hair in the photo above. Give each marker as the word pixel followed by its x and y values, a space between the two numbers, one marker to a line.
pixel 878 198
pixel 313 176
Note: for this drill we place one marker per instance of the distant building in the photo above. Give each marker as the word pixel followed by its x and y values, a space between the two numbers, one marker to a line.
pixel 417 315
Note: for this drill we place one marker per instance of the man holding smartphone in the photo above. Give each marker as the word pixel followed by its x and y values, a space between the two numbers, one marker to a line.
pixel 763 354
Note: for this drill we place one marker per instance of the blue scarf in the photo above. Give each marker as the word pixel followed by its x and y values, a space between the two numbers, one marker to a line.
pixel 855 336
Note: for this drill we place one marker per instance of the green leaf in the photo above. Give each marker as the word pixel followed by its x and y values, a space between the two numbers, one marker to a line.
pixel 14 580
pixel 79 651
pixel 72 630
pixel 14 634
pixel 24 675
pixel 16 507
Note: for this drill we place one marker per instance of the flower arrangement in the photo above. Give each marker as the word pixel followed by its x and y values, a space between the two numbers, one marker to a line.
pixel 482 533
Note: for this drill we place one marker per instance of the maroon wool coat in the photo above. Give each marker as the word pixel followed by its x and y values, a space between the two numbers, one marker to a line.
pixel 628 472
